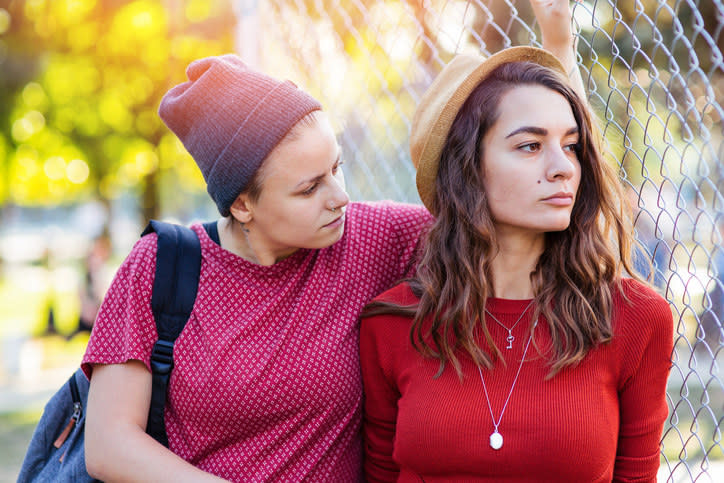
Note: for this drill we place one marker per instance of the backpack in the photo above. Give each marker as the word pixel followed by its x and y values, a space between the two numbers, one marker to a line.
pixel 56 452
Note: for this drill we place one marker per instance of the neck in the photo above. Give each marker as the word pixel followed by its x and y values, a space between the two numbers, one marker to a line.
pixel 516 258
pixel 240 241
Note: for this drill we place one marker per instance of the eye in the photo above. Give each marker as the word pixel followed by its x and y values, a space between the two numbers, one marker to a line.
pixel 572 148
pixel 310 190
pixel 530 147
pixel 336 167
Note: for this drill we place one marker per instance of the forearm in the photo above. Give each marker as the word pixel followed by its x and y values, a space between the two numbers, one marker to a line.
pixel 555 20
pixel 566 53
pixel 117 448
pixel 125 453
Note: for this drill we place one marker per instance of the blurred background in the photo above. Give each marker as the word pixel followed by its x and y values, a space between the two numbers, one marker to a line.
pixel 85 161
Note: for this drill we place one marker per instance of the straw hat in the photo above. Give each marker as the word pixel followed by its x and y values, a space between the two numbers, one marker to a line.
pixel 444 98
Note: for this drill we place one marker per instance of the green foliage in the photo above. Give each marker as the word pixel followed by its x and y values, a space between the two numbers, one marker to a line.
pixel 80 84
pixel 656 67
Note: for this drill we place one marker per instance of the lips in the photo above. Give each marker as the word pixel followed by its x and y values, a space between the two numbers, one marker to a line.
pixel 561 195
pixel 562 199
pixel 337 221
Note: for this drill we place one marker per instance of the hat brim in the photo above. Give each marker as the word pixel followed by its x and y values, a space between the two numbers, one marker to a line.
pixel 444 98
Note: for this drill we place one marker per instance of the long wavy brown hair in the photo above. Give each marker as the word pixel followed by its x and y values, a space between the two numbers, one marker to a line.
pixel 575 276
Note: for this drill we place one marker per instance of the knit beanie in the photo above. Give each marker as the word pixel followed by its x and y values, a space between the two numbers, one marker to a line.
pixel 230 117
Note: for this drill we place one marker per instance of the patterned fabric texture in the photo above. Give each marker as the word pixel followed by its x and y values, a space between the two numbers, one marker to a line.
pixel 266 385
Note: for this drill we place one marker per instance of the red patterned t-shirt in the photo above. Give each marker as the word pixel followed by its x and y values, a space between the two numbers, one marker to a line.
pixel 266 384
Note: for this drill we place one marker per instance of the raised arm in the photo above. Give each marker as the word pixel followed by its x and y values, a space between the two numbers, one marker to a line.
pixel 554 18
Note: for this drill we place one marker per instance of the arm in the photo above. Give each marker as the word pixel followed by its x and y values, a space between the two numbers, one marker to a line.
pixel 380 408
pixel 407 224
pixel 554 18
pixel 116 444
pixel 646 357
pixel 116 361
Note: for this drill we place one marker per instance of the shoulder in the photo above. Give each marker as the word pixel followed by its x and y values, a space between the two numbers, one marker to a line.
pixel 643 331
pixel 390 330
pixel 383 320
pixel 640 297
pixel 142 257
pixel 387 211
pixel 639 308
pixel 400 294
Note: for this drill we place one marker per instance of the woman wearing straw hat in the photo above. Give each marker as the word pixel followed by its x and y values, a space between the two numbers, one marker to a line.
pixel 518 351
pixel 266 385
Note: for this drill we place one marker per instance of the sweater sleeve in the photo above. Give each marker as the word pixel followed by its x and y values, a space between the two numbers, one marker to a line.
pixel 380 403
pixel 646 361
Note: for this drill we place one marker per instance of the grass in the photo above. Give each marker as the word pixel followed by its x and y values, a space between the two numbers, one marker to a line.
pixel 16 429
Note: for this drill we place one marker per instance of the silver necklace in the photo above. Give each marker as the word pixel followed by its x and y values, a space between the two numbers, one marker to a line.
pixel 496 439
pixel 510 337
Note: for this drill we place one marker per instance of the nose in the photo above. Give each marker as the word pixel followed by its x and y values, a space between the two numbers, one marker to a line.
pixel 561 164
pixel 339 197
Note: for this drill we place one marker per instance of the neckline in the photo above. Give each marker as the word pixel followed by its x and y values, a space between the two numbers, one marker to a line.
pixel 236 262
pixel 506 306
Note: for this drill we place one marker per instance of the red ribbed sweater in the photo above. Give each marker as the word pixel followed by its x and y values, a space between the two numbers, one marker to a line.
pixel 599 421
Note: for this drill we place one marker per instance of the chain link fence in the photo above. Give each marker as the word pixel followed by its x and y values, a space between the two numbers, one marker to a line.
pixel 655 75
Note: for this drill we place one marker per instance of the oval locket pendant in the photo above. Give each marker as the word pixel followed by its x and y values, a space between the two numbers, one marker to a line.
pixel 496 440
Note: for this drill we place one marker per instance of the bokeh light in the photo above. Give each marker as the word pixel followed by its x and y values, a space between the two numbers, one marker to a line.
pixel 54 168
pixel 77 171
pixel 4 21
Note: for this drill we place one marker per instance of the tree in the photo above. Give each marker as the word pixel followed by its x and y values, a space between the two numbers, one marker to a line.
pixel 80 84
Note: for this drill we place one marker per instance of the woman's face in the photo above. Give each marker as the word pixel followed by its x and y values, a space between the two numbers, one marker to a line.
pixel 531 171
pixel 301 181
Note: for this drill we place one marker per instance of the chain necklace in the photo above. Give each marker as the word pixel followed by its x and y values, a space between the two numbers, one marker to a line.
pixel 510 337
pixel 496 439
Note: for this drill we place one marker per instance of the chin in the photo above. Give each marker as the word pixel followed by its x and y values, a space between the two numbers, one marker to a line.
pixel 557 225
pixel 329 241
pixel 339 236
pixel 560 227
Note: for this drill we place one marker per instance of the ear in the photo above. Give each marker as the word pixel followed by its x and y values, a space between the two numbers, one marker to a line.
pixel 242 209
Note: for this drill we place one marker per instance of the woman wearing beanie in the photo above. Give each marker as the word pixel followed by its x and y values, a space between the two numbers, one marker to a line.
pixel 518 351
pixel 266 384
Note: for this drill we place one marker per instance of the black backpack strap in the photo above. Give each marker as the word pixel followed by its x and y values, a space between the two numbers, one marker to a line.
pixel 212 229
pixel 178 263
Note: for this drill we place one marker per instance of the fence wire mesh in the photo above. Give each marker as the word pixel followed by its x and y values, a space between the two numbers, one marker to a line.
pixel 654 71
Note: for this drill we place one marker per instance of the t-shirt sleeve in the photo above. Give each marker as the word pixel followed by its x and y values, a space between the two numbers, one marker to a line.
pixel 380 403
pixel 124 328
pixel 406 225
pixel 646 361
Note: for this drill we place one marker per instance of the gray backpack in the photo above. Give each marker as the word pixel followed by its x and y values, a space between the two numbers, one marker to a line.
pixel 56 452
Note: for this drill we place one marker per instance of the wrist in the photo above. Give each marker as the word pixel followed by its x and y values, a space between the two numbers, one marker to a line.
pixel 568 45
pixel 563 39
pixel 565 52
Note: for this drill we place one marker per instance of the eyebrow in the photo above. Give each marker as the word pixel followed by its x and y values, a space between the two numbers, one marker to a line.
pixel 539 131
pixel 320 176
